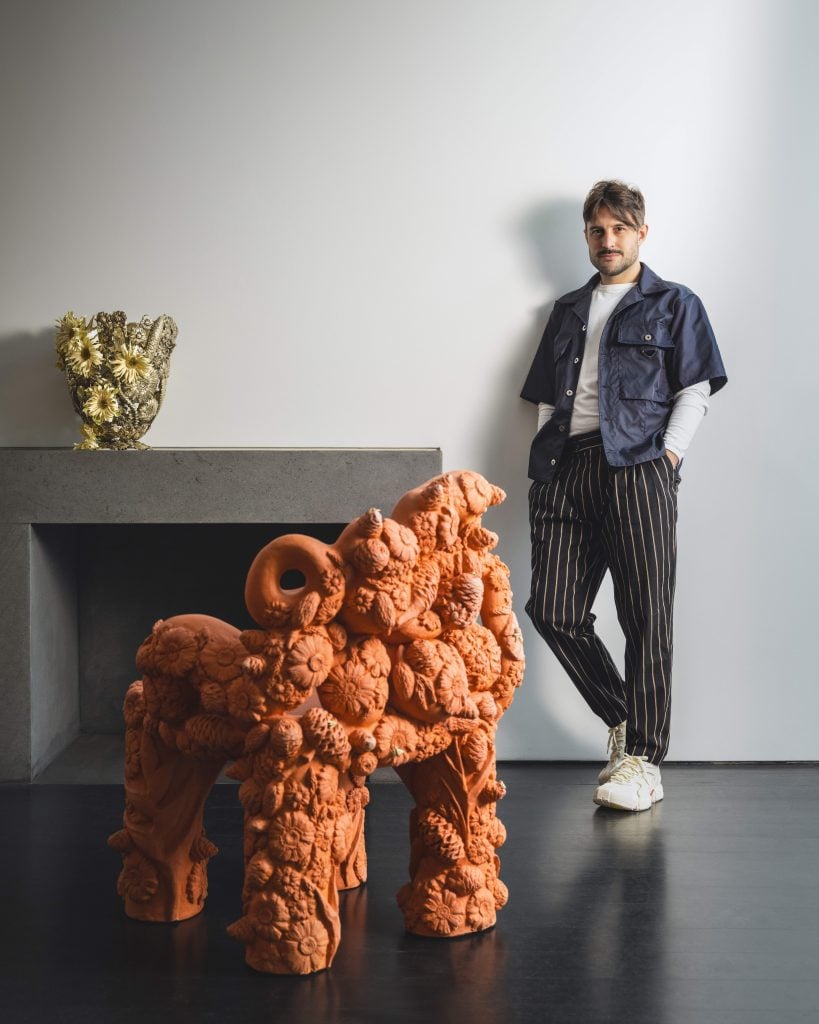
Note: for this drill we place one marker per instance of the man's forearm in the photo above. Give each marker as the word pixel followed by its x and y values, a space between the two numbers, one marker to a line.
pixel 544 413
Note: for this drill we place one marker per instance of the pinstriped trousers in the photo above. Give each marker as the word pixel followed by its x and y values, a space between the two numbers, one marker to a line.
pixel 589 518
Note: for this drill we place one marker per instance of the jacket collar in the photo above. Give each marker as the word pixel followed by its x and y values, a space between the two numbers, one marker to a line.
pixel 648 283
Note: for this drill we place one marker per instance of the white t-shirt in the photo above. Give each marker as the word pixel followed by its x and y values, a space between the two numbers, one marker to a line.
pixel 586 411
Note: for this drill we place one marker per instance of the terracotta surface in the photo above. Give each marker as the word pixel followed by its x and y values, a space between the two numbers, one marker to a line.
pixel 400 649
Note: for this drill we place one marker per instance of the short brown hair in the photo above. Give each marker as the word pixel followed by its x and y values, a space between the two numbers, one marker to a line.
pixel 624 201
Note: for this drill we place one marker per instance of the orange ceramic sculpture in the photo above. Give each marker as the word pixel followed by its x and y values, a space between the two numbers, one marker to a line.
pixel 400 649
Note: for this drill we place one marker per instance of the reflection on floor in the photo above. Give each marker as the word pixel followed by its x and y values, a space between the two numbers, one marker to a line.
pixel 703 909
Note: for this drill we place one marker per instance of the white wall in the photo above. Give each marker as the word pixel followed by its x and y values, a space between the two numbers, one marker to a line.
pixel 359 211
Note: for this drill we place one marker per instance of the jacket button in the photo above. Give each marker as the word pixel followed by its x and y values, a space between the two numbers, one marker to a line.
pixel 554 461
pixel 584 327
pixel 646 337
pixel 570 392
pixel 577 359
pixel 561 428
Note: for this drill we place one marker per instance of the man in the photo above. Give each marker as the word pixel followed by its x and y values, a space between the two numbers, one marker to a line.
pixel 622 379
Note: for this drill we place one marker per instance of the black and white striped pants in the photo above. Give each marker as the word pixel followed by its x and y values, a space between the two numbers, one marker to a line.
pixel 591 517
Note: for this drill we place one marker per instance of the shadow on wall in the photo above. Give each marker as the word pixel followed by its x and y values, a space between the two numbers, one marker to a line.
pixel 552 243
pixel 554 251
pixel 35 406
pixel 552 233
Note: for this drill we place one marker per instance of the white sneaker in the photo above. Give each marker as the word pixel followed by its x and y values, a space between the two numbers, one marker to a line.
pixel 634 786
pixel 616 749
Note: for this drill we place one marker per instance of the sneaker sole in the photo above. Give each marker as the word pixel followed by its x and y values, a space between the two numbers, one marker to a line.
pixel 647 802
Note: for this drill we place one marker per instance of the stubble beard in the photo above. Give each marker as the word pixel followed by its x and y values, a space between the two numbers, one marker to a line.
pixel 613 269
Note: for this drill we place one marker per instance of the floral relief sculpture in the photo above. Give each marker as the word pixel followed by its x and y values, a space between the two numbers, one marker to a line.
pixel 401 649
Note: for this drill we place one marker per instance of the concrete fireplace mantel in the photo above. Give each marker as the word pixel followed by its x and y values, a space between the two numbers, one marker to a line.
pixel 45 492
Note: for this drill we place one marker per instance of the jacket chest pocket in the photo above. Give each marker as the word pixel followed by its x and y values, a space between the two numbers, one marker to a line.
pixel 641 350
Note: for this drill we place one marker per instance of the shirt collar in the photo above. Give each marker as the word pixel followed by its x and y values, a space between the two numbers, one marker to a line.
pixel 648 283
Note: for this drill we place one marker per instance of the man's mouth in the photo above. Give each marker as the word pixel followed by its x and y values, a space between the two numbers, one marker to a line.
pixel 603 255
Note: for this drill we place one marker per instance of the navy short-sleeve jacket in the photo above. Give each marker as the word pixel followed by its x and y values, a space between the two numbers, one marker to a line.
pixel 657 341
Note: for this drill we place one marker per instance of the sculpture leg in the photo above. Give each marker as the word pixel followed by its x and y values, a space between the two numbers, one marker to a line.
pixel 454 887
pixel 164 848
pixel 298 830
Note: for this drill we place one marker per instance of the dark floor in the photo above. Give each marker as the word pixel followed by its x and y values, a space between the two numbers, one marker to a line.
pixel 702 910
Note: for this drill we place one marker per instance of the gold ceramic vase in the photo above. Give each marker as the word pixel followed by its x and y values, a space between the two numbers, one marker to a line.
pixel 116 372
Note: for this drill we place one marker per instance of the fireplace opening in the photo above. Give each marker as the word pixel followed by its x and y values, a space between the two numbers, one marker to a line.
pixel 112 583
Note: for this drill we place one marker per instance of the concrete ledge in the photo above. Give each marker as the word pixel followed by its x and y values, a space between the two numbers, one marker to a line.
pixel 207 485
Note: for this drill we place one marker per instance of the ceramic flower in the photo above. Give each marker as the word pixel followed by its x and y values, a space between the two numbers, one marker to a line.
pixel 442 913
pixel 221 660
pixel 102 404
pixel 129 364
pixel 396 739
pixel 269 915
pixel 245 702
pixel 176 651
pixel 352 693
pixel 306 946
pixel 82 352
pixel 309 661
pixel 480 910
pixel 480 653
pixel 65 333
pixel 291 838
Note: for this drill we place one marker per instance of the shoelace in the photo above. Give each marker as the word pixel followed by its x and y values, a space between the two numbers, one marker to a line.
pixel 630 766
pixel 613 730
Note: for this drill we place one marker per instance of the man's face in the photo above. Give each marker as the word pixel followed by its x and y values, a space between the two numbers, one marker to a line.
pixel 614 247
